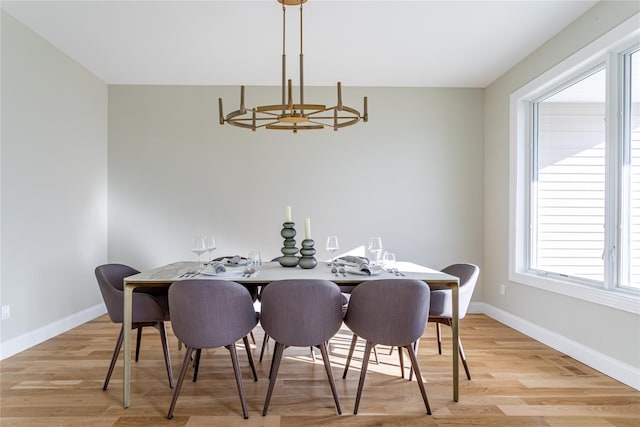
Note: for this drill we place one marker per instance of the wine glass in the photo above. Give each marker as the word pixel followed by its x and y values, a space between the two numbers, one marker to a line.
pixel 332 246
pixel 211 246
pixel 198 247
pixel 375 247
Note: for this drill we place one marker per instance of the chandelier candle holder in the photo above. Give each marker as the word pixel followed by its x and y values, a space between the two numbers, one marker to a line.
pixel 307 260
pixel 289 250
pixel 289 115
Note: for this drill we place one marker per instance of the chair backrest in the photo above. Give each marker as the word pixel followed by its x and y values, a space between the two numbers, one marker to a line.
pixel 111 283
pixel 145 307
pixel 391 312
pixel 301 312
pixel 441 302
pixel 210 313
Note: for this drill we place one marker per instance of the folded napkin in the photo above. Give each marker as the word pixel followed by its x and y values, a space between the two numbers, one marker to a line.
pixel 216 267
pixel 235 260
pixel 359 263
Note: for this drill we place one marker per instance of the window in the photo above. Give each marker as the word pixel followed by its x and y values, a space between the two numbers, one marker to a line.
pixel 575 176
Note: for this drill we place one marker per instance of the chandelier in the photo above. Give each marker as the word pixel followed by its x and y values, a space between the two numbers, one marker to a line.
pixel 289 115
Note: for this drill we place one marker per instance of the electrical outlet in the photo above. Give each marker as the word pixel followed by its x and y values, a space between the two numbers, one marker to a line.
pixel 6 312
pixel 503 289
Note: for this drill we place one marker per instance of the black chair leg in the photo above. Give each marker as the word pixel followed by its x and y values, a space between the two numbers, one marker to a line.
pixel 363 374
pixel 114 358
pixel 332 383
pixel 138 339
pixel 236 370
pixel 250 357
pixel 416 368
pixel 348 362
pixel 165 349
pixel 464 359
pixel 439 336
pixel 196 364
pixel 181 375
pixel 401 357
pixel 265 340
pixel 415 350
pixel 275 365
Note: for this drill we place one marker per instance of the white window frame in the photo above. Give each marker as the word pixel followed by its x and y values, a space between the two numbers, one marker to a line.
pixel 604 49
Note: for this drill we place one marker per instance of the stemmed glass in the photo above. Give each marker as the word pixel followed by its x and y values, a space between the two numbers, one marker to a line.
pixel 332 246
pixel 375 247
pixel 211 246
pixel 198 247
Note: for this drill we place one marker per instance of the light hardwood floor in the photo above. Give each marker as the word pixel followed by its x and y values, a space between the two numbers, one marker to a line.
pixel 516 381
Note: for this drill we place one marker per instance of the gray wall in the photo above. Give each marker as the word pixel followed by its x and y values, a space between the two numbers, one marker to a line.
pixel 412 175
pixel 611 332
pixel 54 194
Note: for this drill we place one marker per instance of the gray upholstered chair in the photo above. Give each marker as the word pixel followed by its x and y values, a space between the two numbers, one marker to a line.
pixel 301 313
pixel 210 314
pixel 390 312
pixel 441 308
pixel 150 308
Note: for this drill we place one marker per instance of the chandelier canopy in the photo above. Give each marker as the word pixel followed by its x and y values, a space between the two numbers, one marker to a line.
pixel 289 115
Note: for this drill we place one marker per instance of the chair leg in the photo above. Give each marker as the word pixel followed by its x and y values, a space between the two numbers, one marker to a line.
pixel 415 350
pixel 464 359
pixel 275 365
pixel 114 358
pixel 414 363
pixel 401 357
pixel 253 339
pixel 138 339
pixel 264 345
pixel 348 362
pixel 236 370
pixel 313 354
pixel 375 355
pixel 165 349
pixel 181 375
pixel 250 357
pixel 332 383
pixel 196 364
pixel 439 336
pixel 363 374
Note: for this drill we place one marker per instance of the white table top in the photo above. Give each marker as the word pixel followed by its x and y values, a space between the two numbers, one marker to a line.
pixel 271 271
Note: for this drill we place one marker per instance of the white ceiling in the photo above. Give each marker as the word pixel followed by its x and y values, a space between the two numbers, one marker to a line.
pixel 361 43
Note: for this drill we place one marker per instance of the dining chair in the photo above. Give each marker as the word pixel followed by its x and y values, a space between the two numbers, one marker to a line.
pixel 301 313
pixel 265 338
pixel 210 314
pixel 391 312
pixel 441 308
pixel 150 308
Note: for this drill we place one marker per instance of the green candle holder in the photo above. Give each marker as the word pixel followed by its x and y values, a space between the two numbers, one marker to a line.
pixel 289 250
pixel 307 260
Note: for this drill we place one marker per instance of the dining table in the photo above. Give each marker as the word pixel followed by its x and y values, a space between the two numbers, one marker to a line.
pixel 268 272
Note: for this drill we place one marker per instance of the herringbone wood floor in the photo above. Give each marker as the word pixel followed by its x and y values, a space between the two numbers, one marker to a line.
pixel 516 382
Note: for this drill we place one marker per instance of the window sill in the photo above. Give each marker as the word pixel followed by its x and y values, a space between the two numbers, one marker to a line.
pixel 621 300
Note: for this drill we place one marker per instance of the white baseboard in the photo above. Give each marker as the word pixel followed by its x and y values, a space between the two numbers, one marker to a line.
pixel 614 368
pixel 28 340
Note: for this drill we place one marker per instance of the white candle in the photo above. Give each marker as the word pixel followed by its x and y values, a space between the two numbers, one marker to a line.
pixel 287 216
pixel 307 228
